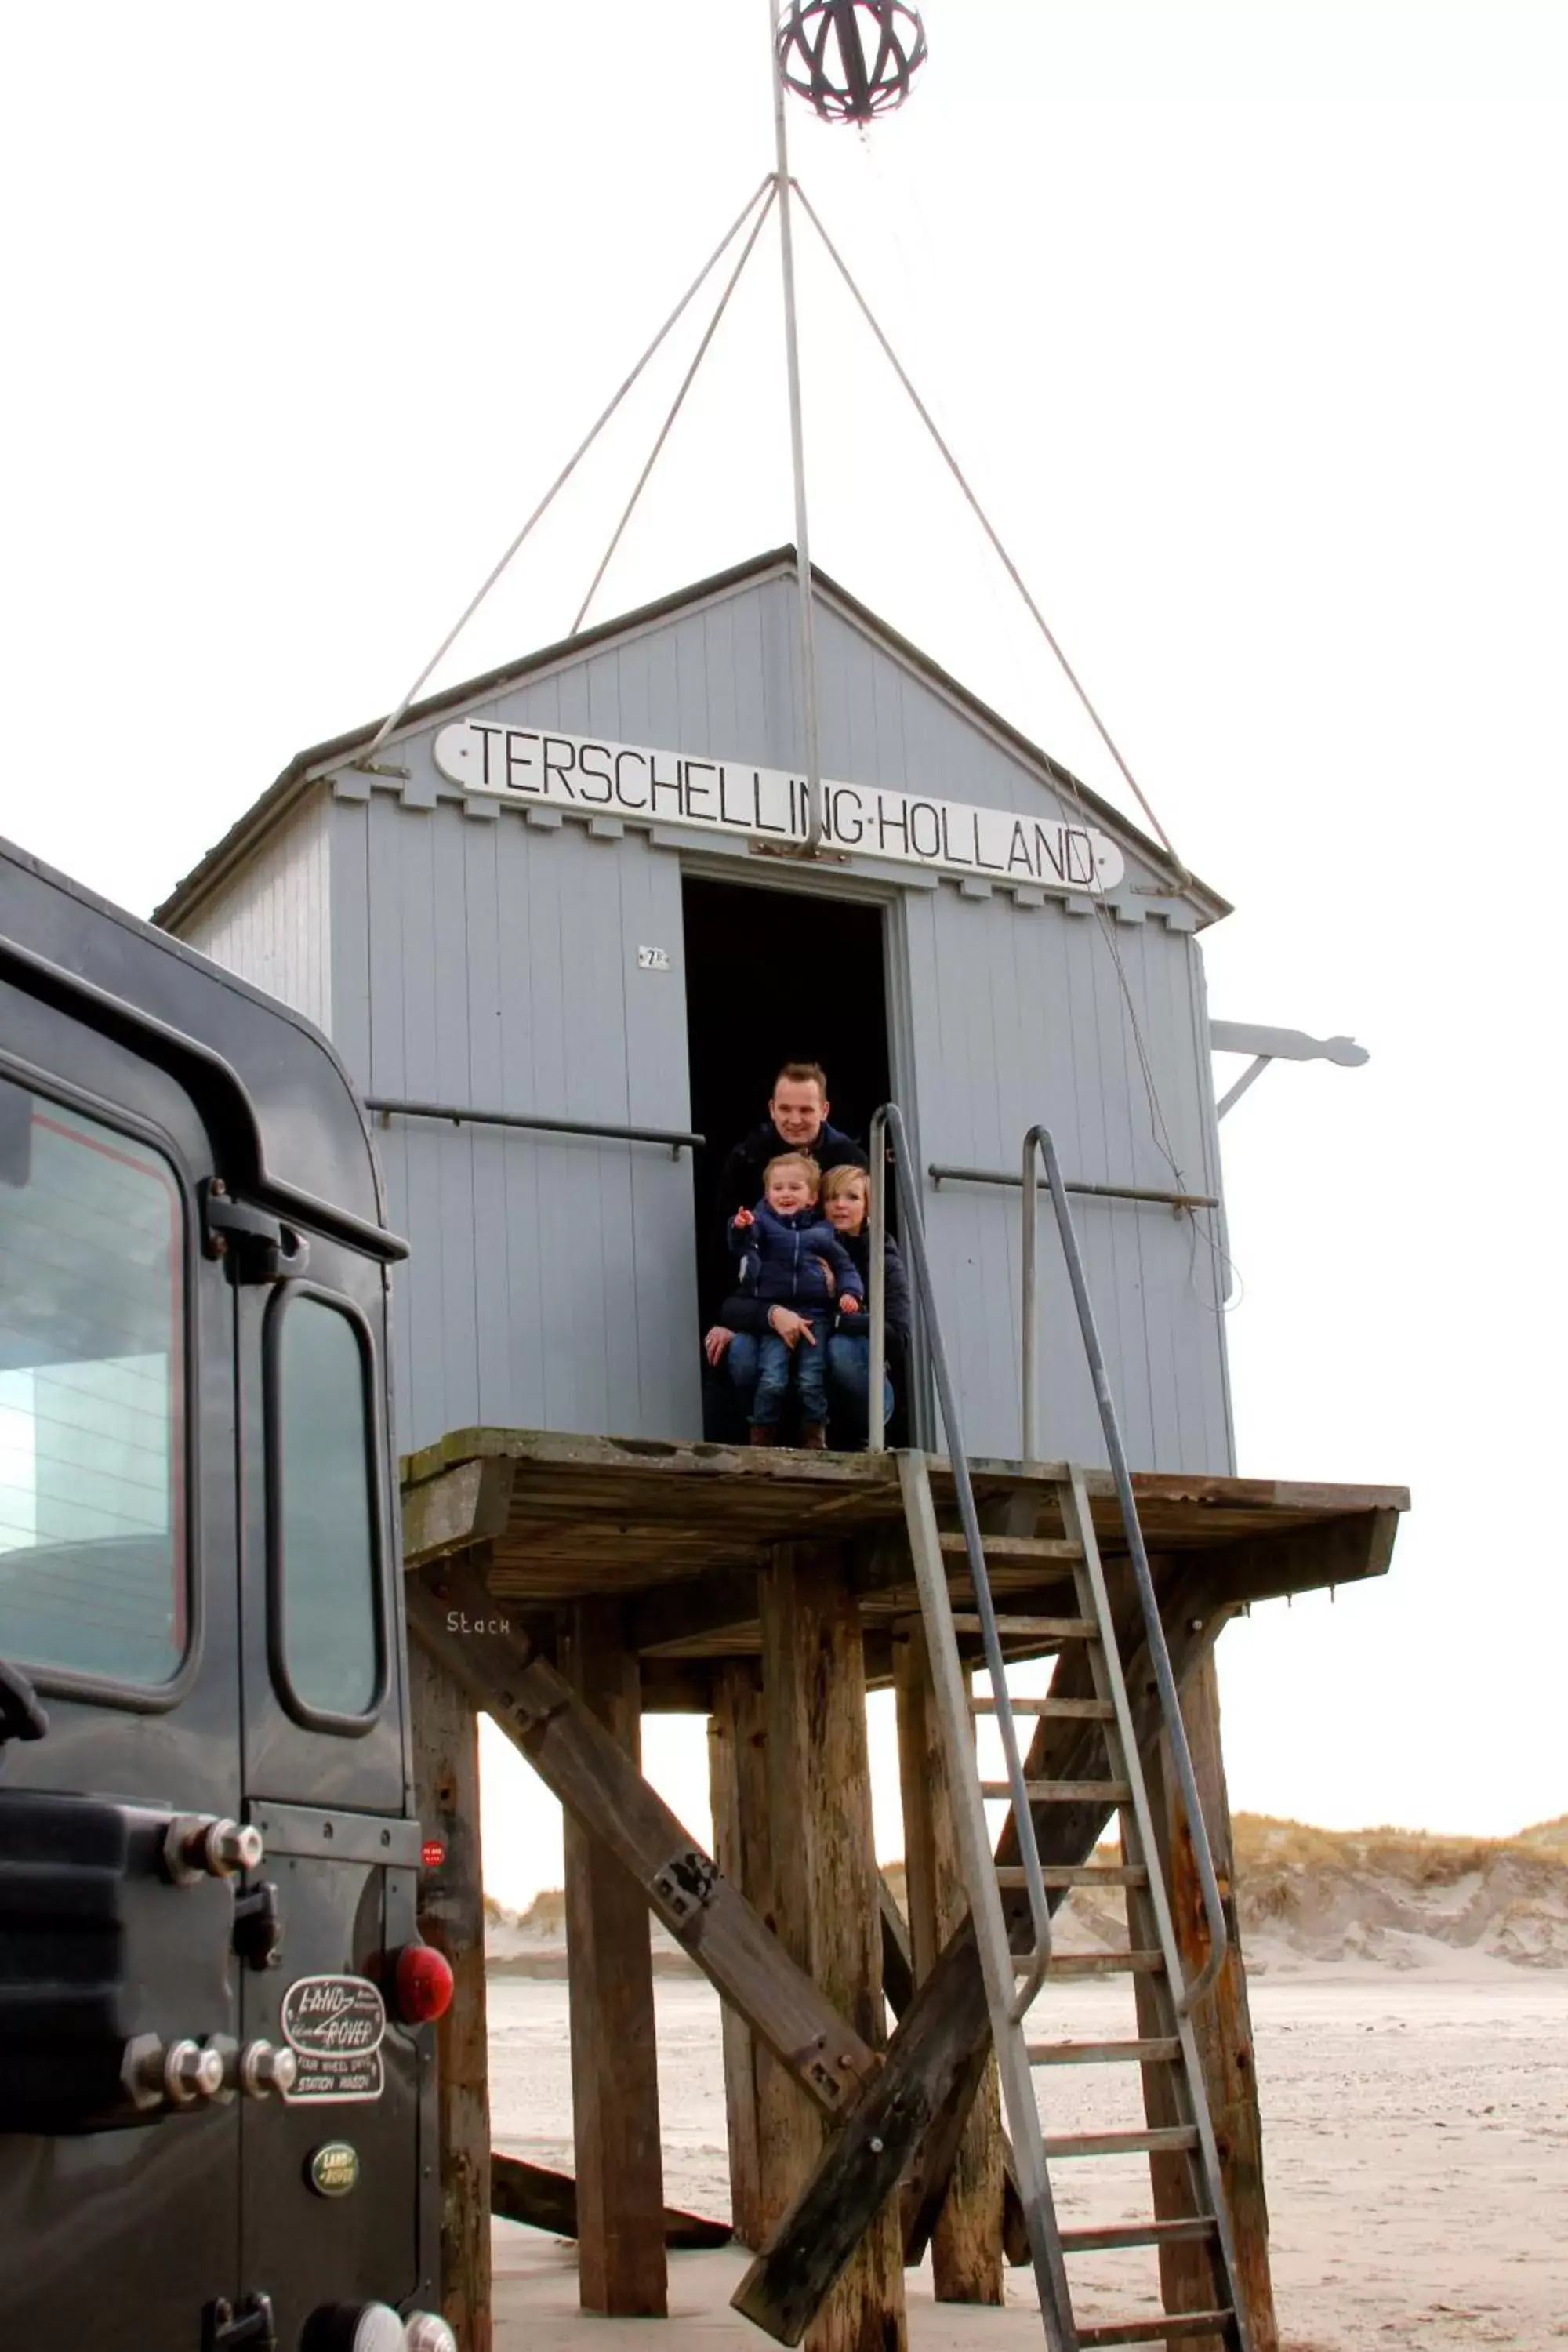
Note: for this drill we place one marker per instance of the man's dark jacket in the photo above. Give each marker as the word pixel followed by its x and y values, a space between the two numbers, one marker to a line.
pixel 741 1179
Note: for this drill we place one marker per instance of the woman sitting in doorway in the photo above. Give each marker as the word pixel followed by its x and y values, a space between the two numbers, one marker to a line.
pixel 847 1205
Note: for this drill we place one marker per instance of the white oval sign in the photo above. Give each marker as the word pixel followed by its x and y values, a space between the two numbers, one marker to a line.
pixel 533 764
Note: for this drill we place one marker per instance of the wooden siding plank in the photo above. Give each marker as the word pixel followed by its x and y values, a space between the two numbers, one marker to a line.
pixel 663 1263
pixel 632 671
pixel 1216 1224
pixel 349 936
pixel 749 677
pixel 415 914
pixel 518 1254
pixel 724 735
pixel 1126 1297
pixel 485 1085
pixel 271 921
pixel 572 1297
pixel 1069 1426
pixel 461 1246
pixel 597 1088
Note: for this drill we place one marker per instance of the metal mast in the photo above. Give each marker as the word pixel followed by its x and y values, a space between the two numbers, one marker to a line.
pixel 797 447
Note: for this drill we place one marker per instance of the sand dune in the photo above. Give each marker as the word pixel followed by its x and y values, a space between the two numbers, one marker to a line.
pixel 1380 1898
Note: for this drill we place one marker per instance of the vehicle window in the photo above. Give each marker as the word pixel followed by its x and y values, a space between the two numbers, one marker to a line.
pixel 323 1530
pixel 92 1568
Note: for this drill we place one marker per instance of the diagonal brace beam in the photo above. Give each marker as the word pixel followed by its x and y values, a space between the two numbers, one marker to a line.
pixel 463 1624
pixel 918 2103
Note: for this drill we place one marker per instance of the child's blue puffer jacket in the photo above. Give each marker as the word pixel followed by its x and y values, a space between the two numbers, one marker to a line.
pixel 779 1259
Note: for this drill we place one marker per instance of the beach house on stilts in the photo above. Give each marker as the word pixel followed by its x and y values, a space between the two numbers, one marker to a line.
pixel 538 920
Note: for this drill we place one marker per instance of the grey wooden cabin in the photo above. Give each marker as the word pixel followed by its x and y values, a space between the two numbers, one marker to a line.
pixel 515 909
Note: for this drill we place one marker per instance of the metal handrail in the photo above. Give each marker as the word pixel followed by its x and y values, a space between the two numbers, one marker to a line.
pixel 677 1139
pixel 889 1126
pixel 941 1175
pixel 1038 1146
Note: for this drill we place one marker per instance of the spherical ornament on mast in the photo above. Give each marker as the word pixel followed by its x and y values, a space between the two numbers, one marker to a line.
pixel 852 59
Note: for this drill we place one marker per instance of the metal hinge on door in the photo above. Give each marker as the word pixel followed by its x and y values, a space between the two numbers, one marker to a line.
pixel 227 2326
pixel 258 1247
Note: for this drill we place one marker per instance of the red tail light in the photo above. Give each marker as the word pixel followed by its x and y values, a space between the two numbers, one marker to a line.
pixel 421 1984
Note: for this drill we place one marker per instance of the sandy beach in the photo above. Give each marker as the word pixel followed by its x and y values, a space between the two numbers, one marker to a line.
pixel 1417 2130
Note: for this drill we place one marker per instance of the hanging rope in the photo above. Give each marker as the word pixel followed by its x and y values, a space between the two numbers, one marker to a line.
pixel 676 406
pixel 765 189
pixel 956 470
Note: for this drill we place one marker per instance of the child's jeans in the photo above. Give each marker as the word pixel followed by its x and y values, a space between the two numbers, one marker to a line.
pixel 808 1365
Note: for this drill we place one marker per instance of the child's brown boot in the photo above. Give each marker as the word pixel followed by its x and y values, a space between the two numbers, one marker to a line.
pixel 814 1436
pixel 761 1436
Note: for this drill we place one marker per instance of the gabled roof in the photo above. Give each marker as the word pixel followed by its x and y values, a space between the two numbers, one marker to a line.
pixel 262 812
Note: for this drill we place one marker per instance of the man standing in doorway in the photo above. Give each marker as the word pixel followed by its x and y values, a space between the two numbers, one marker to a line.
pixel 797 1121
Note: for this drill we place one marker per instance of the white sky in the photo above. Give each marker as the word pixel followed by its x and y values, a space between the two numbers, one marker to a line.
pixel 1249 323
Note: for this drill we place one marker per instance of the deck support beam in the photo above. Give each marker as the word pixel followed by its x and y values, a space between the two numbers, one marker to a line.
pixel 742 1848
pixel 966 2241
pixel 452 1919
pixel 464 1625
pixel 621 2270
pixel 825 1889
pixel 1222 2026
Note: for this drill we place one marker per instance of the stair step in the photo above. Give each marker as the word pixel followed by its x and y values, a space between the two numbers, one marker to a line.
pixel 1163 2139
pixel 1155 2051
pixel 1065 1792
pixel 1046 1629
pixel 1077 1874
pixel 1017 1551
pixel 1137 2233
pixel 1164 2327
pixel 1075 1711
pixel 1106 1963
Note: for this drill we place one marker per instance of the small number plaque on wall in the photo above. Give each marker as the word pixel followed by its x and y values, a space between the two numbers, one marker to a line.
pixel 653 959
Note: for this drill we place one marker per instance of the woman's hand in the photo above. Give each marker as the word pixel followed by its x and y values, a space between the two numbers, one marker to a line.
pixel 828 1276
pixel 791 1326
pixel 714 1343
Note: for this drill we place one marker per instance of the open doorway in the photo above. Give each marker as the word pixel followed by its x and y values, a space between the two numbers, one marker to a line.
pixel 775 976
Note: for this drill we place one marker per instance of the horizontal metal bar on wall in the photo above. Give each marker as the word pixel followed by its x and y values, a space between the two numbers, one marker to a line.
pixel 676 1139
pixel 1093 1192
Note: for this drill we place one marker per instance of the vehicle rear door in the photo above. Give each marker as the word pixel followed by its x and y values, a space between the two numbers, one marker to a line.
pixel 119 2126
pixel 332 2170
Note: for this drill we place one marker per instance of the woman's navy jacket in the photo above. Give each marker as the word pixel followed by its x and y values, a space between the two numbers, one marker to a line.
pixel 897 1292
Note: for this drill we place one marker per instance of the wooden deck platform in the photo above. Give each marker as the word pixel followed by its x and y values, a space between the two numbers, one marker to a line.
pixel 566 1584
pixel 681 1531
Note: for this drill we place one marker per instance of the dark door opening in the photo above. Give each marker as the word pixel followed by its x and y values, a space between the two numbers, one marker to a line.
pixel 775 976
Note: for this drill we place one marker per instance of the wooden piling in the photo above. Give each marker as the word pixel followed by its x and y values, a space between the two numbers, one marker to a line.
pixel 615 2075
pixel 742 1848
pixel 452 1919
pixel 825 1898
pixel 1222 2026
pixel 966 2242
